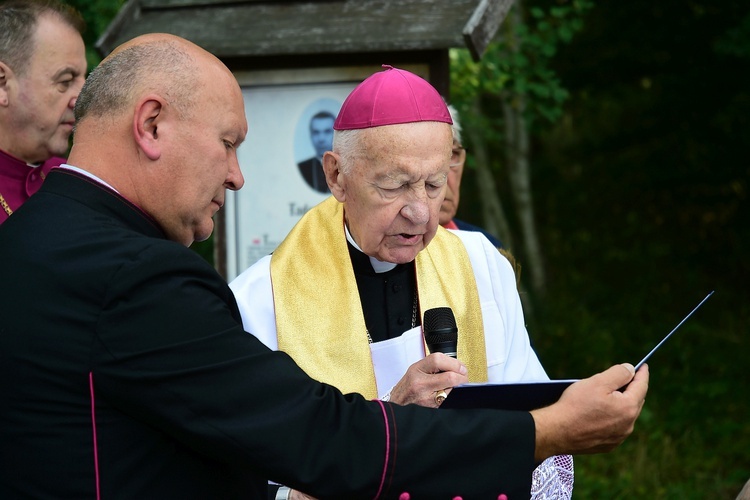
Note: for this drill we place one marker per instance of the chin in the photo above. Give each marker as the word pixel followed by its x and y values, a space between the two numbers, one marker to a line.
pixel 59 147
pixel 202 234
pixel 402 256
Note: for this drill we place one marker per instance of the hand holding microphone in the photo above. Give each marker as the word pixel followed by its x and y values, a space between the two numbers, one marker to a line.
pixel 441 335
pixel 418 385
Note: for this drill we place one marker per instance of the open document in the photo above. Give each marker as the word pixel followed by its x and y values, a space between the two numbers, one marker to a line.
pixel 526 395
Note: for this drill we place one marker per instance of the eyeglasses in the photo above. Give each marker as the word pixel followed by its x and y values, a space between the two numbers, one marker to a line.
pixel 457 157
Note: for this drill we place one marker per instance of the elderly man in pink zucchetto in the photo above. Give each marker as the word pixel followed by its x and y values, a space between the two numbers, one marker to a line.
pixel 345 292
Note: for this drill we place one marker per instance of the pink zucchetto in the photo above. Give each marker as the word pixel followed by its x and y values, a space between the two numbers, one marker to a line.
pixel 390 97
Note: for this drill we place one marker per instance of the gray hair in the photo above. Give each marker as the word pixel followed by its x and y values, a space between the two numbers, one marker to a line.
pixel 348 145
pixel 162 65
pixel 456 127
pixel 18 23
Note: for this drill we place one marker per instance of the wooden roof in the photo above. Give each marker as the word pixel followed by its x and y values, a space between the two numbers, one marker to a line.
pixel 233 29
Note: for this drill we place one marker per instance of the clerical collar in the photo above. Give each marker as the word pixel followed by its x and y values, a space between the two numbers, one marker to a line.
pixel 377 265
pixel 87 174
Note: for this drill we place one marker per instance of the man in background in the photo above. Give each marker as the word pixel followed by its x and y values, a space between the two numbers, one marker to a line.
pixel 42 70
pixel 449 206
pixel 321 136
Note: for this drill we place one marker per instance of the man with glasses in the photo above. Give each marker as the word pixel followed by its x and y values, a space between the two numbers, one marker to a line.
pixel 452 192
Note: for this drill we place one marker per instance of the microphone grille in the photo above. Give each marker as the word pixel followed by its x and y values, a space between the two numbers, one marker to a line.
pixel 440 321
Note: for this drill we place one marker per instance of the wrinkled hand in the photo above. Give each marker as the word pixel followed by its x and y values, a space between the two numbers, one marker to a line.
pixel 427 376
pixel 592 415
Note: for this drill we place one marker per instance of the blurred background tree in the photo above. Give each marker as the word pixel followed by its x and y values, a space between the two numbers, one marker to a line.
pixel 607 150
pixel 506 98
pixel 98 14
pixel 636 181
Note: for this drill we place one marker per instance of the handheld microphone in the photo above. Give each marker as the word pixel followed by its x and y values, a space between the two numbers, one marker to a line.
pixel 440 331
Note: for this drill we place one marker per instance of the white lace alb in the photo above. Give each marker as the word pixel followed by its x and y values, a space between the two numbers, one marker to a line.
pixel 553 479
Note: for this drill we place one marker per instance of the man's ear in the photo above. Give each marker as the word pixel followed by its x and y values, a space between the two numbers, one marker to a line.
pixel 148 125
pixel 334 177
pixel 6 75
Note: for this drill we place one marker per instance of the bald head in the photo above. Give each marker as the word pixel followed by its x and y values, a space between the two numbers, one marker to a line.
pixel 153 62
pixel 160 120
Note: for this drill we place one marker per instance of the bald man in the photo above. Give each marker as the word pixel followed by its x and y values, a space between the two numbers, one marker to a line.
pixel 126 373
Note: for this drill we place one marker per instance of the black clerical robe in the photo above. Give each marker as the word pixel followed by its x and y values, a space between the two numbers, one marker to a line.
pixel 125 373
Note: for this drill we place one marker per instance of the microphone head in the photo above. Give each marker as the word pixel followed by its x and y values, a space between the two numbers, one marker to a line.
pixel 440 331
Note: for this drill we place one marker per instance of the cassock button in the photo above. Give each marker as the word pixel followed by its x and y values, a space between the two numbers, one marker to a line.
pixel 502 496
pixel 458 498
pixel 404 496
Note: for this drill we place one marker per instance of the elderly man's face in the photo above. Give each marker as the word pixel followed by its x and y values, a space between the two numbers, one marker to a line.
pixel 453 192
pixel 393 190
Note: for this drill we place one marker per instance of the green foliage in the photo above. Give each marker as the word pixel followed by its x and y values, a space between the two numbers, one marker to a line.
pixel 736 41
pixel 97 14
pixel 641 181
pixel 642 190
pixel 691 440
pixel 205 249
pixel 517 63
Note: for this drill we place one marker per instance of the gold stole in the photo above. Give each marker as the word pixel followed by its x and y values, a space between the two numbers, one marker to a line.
pixel 319 319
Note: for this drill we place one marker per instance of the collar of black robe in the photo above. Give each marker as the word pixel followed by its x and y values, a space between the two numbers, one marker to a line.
pixel 387 298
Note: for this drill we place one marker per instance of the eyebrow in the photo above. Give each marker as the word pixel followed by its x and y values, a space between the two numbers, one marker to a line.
pixel 398 174
pixel 401 175
pixel 66 71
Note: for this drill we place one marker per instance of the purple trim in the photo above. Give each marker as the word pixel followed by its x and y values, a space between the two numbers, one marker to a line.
pixel 387 448
pixel 93 428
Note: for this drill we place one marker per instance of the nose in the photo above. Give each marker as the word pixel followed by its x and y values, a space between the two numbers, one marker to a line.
pixel 235 180
pixel 416 209
pixel 76 92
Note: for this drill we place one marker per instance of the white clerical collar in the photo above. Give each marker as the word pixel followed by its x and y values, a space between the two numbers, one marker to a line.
pixel 87 174
pixel 377 265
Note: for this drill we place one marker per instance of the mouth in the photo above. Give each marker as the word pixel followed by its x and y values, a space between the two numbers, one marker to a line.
pixel 409 239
